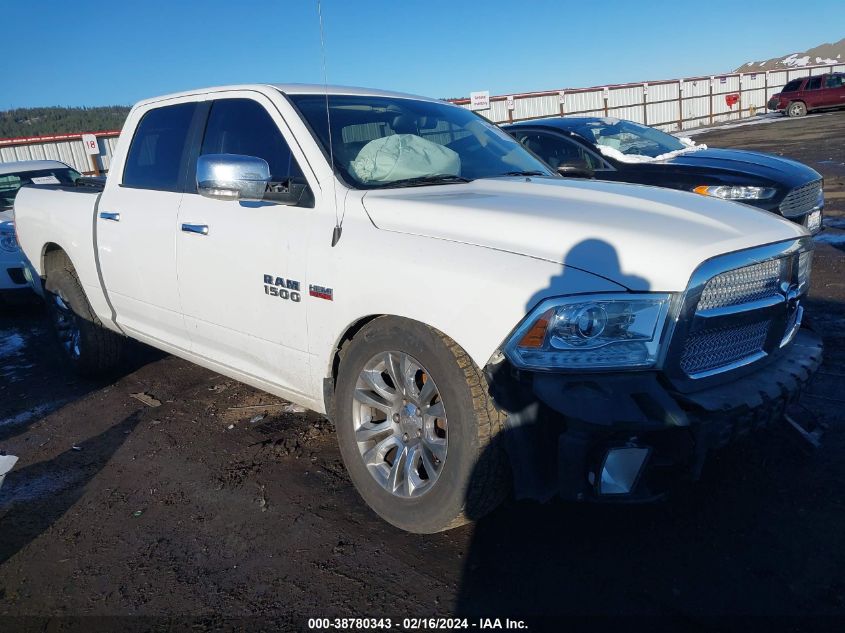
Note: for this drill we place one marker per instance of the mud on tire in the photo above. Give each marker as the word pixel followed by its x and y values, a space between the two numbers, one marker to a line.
pixel 90 348
pixel 474 475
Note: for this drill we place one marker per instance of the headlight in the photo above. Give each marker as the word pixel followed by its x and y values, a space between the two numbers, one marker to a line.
pixel 733 192
pixel 611 331
pixel 8 242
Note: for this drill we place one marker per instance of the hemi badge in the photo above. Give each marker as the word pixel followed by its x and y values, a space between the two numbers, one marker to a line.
pixel 320 292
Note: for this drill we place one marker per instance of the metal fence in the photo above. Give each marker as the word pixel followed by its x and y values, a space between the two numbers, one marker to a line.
pixel 671 105
pixel 67 148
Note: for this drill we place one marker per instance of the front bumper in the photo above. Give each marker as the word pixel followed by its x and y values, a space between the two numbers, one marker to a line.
pixel 561 428
pixel 774 104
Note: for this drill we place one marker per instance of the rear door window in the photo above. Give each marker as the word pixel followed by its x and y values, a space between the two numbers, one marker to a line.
pixel 814 84
pixel 157 153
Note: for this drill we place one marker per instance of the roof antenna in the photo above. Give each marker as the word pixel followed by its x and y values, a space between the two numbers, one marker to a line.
pixel 338 222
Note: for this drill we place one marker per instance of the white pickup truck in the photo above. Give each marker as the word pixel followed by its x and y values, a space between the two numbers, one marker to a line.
pixel 470 321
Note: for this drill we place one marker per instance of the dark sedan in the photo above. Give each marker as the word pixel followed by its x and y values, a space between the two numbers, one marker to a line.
pixel 613 149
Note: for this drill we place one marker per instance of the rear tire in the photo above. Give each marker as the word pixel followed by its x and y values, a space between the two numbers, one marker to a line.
pixel 796 109
pixel 446 395
pixel 90 348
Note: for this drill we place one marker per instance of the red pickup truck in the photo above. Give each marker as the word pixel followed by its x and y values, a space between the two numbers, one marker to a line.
pixel 800 96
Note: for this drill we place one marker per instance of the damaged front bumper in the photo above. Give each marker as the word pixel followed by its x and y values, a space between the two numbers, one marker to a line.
pixel 631 437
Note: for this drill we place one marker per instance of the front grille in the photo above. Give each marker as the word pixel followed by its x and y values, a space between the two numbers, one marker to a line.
pixel 743 285
pixel 740 308
pixel 801 200
pixel 709 350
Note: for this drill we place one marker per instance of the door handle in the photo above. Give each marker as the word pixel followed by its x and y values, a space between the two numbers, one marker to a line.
pixel 114 217
pixel 199 229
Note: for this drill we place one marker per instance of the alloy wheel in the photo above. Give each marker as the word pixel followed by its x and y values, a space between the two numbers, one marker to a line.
pixel 400 424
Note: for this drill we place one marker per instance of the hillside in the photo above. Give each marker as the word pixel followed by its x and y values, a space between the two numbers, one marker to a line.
pixel 824 54
pixel 60 120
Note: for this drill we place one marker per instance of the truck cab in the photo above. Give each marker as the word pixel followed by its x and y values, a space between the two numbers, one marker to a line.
pixel 468 319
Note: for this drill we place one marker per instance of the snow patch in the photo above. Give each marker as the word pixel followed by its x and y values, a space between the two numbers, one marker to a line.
pixel 27 416
pixel 830 238
pixel 834 223
pixel 772 117
pixel 615 154
pixel 794 61
pixel 11 343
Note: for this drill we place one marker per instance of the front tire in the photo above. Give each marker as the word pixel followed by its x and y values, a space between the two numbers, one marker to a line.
pixel 417 428
pixel 797 109
pixel 90 348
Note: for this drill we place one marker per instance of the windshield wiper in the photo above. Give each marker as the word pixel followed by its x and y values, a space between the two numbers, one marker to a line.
pixel 524 173
pixel 419 181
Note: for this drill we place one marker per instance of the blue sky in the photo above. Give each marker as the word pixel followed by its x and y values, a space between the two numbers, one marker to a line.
pixel 116 52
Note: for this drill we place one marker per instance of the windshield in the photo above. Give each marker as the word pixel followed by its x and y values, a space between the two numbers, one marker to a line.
pixel 11 183
pixel 392 142
pixel 628 138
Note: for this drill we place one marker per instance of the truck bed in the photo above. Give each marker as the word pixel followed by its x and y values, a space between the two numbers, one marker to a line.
pixel 48 215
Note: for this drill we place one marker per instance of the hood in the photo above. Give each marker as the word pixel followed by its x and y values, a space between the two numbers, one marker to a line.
pixel 771 168
pixel 643 238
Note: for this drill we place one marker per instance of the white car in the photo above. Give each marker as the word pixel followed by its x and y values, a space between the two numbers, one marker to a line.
pixel 469 320
pixel 15 270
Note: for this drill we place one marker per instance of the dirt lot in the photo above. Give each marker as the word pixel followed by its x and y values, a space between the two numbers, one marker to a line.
pixel 223 503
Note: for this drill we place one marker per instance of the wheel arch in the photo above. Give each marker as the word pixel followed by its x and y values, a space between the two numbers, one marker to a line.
pixel 53 256
pixel 330 374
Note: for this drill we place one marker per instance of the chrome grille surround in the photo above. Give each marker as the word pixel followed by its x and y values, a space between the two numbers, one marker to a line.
pixel 737 310
pixel 801 200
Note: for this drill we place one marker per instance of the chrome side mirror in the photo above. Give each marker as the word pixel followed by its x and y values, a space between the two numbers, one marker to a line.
pixel 232 177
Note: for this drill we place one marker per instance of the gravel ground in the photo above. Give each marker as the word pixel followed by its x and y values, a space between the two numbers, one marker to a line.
pixel 223 506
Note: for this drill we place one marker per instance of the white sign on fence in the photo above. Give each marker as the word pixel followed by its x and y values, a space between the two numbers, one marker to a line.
pixel 561 97
pixel 479 100
pixel 90 143
pixel 605 93
pixel 511 105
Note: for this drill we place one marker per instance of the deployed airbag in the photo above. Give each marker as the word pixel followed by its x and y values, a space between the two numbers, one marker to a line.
pixel 402 156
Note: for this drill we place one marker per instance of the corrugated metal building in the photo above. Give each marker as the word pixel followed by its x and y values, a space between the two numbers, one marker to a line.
pixel 67 148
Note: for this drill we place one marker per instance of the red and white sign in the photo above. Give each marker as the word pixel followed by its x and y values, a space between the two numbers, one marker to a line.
pixel 511 104
pixel 90 143
pixel 479 100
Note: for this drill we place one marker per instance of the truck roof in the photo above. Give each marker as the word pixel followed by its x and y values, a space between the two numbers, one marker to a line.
pixel 291 89
pixel 30 165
